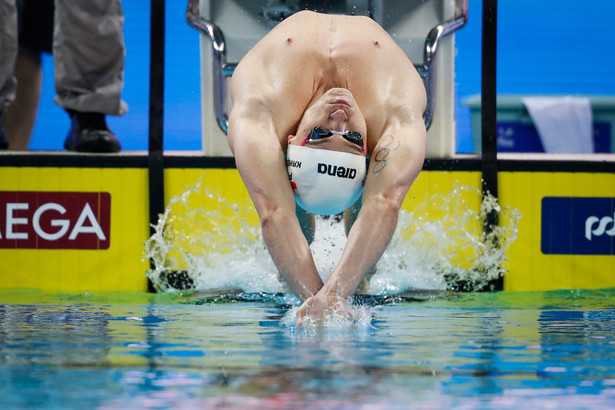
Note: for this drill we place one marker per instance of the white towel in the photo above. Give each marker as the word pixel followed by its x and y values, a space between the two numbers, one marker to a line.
pixel 564 124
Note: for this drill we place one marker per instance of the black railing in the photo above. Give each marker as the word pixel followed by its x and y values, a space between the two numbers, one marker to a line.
pixel 156 115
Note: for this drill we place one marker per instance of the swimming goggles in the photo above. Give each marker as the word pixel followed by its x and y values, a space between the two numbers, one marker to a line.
pixel 319 133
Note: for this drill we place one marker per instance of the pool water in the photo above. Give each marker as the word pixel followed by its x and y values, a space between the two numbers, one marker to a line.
pixel 192 350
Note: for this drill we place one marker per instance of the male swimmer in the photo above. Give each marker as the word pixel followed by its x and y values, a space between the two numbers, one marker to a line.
pixel 315 97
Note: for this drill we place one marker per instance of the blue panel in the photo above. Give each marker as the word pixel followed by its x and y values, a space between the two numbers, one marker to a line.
pixel 518 136
pixel 515 136
pixel 578 226
pixel 543 49
pixel 602 137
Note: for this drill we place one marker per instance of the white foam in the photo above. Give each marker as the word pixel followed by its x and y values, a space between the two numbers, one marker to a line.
pixel 422 251
pixel 333 324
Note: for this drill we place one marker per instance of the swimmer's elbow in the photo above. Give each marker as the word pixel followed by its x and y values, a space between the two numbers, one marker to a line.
pixel 273 216
pixel 385 205
pixel 257 102
pixel 250 104
pixel 252 111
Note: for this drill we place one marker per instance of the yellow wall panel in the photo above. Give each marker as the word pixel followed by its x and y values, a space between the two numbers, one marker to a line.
pixel 117 268
pixel 529 268
pixel 221 190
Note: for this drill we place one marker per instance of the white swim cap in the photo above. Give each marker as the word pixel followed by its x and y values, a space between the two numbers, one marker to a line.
pixel 325 182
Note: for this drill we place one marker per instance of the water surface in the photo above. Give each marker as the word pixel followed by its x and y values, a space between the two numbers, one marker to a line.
pixel 439 350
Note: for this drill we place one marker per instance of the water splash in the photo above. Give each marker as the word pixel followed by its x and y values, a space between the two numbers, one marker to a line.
pixel 334 325
pixel 203 242
pixel 441 244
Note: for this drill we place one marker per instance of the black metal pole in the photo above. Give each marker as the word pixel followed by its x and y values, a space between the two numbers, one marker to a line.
pixel 488 98
pixel 156 115
pixel 489 113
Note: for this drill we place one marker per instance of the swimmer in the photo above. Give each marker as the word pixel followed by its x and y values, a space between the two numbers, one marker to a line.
pixel 318 98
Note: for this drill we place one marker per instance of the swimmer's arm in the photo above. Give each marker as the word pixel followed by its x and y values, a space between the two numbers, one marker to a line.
pixel 261 164
pixel 395 164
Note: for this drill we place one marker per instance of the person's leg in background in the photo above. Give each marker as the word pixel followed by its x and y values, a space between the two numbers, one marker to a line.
pixel 8 55
pixel 35 37
pixel 88 49
pixel 19 119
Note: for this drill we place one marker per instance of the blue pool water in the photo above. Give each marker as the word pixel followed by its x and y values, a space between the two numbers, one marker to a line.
pixel 433 350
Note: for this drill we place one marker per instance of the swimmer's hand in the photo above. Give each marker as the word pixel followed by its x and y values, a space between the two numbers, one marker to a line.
pixel 316 308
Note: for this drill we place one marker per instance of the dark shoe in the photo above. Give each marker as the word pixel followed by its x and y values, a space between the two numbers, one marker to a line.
pixel 4 141
pixel 89 133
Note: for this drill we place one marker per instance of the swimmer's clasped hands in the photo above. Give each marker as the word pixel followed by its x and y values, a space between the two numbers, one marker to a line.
pixel 317 308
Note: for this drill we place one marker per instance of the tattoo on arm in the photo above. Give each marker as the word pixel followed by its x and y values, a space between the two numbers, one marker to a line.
pixel 380 159
pixel 388 144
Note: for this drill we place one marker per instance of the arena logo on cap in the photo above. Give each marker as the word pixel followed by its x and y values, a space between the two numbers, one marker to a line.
pixel 339 171
pixel 55 220
pixel 578 226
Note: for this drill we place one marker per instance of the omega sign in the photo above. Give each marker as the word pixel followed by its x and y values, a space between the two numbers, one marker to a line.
pixel 55 220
